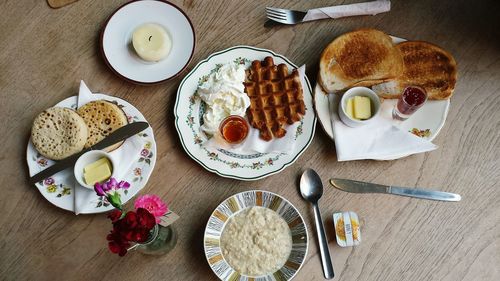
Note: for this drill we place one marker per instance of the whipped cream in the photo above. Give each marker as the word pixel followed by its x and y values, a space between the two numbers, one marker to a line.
pixel 224 95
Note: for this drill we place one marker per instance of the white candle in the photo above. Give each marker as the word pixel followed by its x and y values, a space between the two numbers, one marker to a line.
pixel 151 42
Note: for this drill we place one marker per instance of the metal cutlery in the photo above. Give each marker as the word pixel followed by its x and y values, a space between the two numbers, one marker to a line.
pixel 116 136
pixel 366 187
pixel 286 16
pixel 311 189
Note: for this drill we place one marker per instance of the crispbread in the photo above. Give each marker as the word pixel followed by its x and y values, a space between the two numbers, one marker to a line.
pixel 363 57
pixel 102 118
pixel 425 65
pixel 58 132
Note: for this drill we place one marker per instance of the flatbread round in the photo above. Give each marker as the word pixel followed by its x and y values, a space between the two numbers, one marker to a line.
pixel 58 133
pixel 102 118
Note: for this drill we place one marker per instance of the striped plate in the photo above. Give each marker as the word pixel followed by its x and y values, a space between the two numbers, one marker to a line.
pixel 243 200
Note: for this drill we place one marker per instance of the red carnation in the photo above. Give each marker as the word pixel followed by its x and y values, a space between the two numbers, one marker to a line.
pixel 133 227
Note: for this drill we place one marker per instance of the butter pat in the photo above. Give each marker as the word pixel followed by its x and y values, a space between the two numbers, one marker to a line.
pixel 349 108
pixel 97 171
pixel 96 164
pixel 347 229
pixel 151 42
pixel 362 107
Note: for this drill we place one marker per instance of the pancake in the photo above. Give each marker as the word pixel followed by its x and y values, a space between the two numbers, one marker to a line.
pixel 58 133
pixel 102 118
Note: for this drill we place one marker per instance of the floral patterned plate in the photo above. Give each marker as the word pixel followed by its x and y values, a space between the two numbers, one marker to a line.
pixel 188 119
pixel 58 189
pixel 237 203
pixel 425 123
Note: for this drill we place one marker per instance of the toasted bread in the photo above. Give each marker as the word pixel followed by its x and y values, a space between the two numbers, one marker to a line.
pixel 360 58
pixel 425 65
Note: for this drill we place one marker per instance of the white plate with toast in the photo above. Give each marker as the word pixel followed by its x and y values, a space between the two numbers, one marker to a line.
pixel 227 163
pixel 426 122
pixel 59 188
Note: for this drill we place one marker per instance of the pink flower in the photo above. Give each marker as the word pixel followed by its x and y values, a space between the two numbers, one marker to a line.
pixel 144 152
pixel 153 204
pixel 49 181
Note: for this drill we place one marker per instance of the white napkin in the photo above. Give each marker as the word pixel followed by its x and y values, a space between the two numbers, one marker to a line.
pixel 334 12
pixel 378 140
pixel 130 150
pixel 254 144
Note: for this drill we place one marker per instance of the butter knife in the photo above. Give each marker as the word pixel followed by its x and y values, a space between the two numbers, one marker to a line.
pixel 118 135
pixel 366 187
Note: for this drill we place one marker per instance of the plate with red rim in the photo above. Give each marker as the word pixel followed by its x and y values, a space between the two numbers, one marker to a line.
pixel 116 37
pixel 425 123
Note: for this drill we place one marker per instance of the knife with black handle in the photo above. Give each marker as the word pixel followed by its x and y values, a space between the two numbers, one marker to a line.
pixel 366 187
pixel 118 135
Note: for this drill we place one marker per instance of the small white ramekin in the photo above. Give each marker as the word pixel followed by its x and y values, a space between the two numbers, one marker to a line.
pixel 363 92
pixel 88 158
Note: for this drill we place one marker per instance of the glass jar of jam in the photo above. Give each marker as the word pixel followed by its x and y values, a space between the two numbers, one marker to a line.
pixel 409 102
pixel 234 129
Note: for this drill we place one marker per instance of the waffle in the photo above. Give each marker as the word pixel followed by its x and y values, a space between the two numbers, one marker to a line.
pixel 276 98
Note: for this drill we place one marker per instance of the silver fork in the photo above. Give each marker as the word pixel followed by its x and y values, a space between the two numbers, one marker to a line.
pixel 285 16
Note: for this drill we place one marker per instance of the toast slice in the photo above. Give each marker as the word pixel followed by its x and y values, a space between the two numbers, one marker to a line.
pixel 424 65
pixel 363 57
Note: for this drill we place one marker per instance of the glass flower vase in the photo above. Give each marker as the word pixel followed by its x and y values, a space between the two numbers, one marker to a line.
pixel 161 241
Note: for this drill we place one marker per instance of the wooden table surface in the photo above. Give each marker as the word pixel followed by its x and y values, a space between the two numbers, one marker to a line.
pixel 45 53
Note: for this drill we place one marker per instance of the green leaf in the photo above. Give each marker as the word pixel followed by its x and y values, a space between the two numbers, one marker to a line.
pixel 125 191
pixel 148 161
pixel 99 204
pixel 141 159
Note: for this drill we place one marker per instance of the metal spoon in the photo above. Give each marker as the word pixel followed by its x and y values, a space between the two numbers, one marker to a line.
pixel 311 189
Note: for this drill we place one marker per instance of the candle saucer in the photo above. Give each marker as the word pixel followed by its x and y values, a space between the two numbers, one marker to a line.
pixel 120 56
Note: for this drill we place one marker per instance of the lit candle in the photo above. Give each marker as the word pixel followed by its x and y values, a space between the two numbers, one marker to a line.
pixel 151 42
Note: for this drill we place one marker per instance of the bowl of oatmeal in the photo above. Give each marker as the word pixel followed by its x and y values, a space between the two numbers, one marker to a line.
pixel 255 234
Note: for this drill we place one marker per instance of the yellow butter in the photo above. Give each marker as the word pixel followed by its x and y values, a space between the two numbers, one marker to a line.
pixel 97 174
pixel 349 108
pixel 362 107
pixel 96 164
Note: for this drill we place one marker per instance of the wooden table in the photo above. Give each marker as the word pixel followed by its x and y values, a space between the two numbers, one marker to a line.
pixel 44 53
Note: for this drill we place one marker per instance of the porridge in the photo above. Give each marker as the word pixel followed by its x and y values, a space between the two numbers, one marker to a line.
pixel 256 241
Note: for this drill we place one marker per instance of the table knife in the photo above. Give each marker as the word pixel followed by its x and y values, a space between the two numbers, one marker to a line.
pixel 366 187
pixel 118 135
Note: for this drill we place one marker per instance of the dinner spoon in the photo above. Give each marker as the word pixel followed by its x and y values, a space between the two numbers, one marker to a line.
pixel 311 189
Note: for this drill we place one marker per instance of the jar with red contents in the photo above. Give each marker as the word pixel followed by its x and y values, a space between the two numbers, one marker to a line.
pixel 412 98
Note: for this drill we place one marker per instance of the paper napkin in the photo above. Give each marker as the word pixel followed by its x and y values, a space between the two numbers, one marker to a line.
pixel 125 156
pixel 378 140
pixel 367 8
pixel 253 143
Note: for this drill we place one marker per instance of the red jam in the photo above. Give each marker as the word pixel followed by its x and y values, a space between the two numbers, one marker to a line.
pixel 234 129
pixel 411 100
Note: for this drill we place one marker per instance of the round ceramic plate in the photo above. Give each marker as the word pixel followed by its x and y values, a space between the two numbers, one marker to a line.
pixel 59 188
pixel 116 40
pixel 426 122
pixel 237 203
pixel 189 112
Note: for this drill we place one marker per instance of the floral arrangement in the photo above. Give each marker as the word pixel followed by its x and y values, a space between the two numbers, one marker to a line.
pixel 132 226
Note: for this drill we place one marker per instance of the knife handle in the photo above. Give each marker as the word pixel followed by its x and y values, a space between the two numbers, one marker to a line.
pixel 424 193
